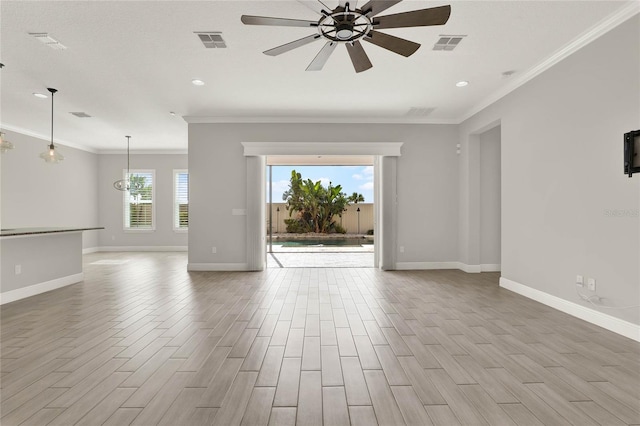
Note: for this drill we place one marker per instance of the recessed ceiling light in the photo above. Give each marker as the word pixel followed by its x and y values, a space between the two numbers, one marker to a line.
pixel 197 82
pixel 40 95
pixel 462 83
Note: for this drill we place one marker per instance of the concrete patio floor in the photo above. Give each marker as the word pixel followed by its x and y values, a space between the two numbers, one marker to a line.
pixel 320 257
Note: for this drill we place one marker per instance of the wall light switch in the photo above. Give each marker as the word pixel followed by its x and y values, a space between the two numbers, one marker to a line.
pixel 214 250
pixel 18 269
pixel 401 249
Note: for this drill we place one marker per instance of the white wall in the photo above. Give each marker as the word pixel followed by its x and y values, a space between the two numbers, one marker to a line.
pixel 490 197
pixel 427 184
pixel 562 172
pixel 110 169
pixel 37 194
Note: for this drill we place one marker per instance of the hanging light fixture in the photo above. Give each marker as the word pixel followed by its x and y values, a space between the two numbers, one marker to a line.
pixel 126 184
pixel 5 145
pixel 52 156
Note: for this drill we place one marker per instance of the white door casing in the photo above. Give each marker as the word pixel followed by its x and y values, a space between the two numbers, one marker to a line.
pixel 385 168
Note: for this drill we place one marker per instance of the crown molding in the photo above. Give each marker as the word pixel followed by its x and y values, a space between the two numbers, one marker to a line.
pixel 46 138
pixel 631 9
pixel 392 149
pixel 143 152
pixel 314 120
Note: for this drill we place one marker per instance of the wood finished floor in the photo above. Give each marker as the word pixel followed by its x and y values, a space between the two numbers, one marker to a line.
pixel 144 342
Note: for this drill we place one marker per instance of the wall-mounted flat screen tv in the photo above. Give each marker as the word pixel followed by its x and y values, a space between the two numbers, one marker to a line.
pixel 632 152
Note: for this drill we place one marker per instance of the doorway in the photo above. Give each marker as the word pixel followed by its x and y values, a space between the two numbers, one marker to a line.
pixel 340 233
pixel 385 180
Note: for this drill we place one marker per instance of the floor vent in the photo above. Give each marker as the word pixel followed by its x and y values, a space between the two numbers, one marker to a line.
pixel 448 42
pixel 212 39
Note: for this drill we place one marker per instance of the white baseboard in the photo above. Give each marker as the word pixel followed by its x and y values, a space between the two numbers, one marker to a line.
pixel 217 267
pixel 617 325
pixel 470 269
pixel 426 265
pixel 141 248
pixel 32 290
pixel 90 250
pixel 447 265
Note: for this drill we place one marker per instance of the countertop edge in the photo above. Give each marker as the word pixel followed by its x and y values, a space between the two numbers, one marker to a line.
pixel 39 231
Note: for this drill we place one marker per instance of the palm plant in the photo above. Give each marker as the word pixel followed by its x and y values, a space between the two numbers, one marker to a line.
pixel 316 206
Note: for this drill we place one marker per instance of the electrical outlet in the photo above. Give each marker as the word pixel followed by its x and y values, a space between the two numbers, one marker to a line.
pixel 18 269
pixel 579 280
pixel 591 283
pixel 214 250
pixel 401 249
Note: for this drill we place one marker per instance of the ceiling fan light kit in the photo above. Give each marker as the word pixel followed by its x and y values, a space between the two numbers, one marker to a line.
pixel 349 25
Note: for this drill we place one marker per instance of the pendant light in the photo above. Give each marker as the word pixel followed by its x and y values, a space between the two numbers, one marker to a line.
pixel 52 156
pixel 5 145
pixel 126 184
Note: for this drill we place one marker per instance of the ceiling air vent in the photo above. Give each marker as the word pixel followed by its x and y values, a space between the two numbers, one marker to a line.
pixel 448 42
pixel 212 39
pixel 419 112
pixel 81 114
pixel 48 40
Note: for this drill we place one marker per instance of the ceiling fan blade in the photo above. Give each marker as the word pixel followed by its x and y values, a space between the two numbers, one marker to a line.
pixel 282 22
pixel 291 45
pixel 316 5
pixel 373 7
pixel 395 44
pixel 358 56
pixel 322 56
pixel 416 18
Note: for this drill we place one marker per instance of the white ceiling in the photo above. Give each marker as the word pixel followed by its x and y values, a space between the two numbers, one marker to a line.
pixel 129 63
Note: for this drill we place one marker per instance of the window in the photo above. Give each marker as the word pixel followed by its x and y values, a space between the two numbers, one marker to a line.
pixel 180 200
pixel 139 209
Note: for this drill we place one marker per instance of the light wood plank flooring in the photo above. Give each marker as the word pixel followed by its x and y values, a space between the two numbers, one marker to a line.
pixel 144 342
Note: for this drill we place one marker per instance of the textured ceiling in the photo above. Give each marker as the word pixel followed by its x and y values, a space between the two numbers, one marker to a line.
pixel 129 63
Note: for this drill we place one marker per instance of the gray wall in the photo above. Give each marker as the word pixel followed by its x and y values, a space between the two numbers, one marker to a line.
pixel 36 194
pixel 42 258
pixel 110 169
pixel 427 184
pixel 490 197
pixel 562 173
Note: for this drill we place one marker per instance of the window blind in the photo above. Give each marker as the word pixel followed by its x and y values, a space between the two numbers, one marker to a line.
pixel 139 211
pixel 180 199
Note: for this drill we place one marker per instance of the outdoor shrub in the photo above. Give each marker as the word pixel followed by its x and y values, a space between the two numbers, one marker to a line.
pixel 296 226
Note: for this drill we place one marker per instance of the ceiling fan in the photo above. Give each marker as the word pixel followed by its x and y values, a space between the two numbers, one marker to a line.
pixel 346 24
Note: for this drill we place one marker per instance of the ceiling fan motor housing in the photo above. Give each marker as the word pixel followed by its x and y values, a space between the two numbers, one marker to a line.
pixel 344 26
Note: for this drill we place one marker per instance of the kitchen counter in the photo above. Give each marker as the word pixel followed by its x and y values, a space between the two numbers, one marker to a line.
pixel 37 260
